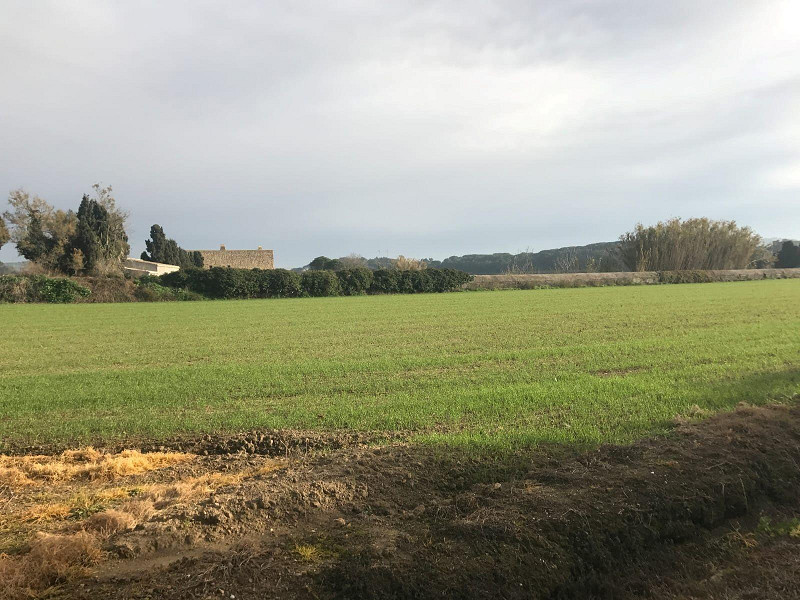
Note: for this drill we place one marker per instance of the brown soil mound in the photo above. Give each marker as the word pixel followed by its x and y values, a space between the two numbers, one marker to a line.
pixel 266 442
pixel 667 517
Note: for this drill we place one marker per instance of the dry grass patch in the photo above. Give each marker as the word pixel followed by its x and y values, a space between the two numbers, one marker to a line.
pixel 85 463
pixel 52 559
pixel 67 495
pixel 193 488
pixel 47 512
pixel 14 477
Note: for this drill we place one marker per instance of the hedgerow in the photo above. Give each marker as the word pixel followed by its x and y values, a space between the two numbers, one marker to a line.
pixel 227 282
pixel 39 288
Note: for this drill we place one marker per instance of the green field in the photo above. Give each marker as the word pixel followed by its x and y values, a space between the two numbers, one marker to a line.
pixel 581 365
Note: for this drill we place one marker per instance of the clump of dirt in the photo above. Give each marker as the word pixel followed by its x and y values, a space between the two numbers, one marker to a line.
pixel 411 521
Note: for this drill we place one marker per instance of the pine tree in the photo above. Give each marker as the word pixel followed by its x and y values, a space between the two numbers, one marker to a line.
pixel 155 245
pixel 36 244
pixel 788 255
pixel 93 226
pixel 166 250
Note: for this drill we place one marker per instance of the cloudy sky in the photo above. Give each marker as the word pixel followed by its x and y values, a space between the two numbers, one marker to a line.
pixel 416 128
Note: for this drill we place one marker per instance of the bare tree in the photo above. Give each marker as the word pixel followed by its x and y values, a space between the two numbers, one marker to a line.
pixel 567 262
pixel 353 261
pixel 409 264
pixel 41 233
pixel 114 240
pixel 522 264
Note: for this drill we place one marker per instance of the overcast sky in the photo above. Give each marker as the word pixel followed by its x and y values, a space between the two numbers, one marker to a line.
pixel 416 128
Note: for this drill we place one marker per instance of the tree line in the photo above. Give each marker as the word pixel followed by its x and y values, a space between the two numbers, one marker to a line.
pixel 667 246
pixel 92 241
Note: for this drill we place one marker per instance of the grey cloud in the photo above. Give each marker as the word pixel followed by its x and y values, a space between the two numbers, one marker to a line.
pixel 422 128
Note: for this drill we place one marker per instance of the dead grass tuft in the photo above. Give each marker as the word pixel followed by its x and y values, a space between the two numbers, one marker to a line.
pixel 140 509
pixel 114 493
pixel 109 522
pixel 307 552
pixel 692 415
pixel 52 559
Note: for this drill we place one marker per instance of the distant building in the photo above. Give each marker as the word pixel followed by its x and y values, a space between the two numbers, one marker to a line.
pixel 239 259
pixel 138 267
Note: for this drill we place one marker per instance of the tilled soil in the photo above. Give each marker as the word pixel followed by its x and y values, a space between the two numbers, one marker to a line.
pixel 682 516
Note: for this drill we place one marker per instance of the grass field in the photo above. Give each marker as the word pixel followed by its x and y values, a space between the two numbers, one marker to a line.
pixel 582 365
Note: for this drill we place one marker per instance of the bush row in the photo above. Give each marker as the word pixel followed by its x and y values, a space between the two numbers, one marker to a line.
pixel 226 282
pixel 39 288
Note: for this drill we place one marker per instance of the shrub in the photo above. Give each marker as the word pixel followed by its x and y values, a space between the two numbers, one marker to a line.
pixel 323 263
pixel 226 282
pixel 184 279
pixel 409 264
pixel 691 276
pixel 447 280
pixel 393 281
pixel 406 281
pixel 13 288
pixel 677 245
pixel 257 283
pixel 355 281
pixel 153 293
pixel 56 290
pixel 149 289
pixel 39 288
pixel 385 281
pixel 108 289
pixel 319 283
pixel 216 282
pixel 284 284
pixel 789 255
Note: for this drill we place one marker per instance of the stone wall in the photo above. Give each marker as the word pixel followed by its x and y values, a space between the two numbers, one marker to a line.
pixel 239 259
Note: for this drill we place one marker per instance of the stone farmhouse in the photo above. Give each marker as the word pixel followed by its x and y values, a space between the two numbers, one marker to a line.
pixel 239 259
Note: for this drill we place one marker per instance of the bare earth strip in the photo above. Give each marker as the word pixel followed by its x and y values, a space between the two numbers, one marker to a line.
pixel 709 511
